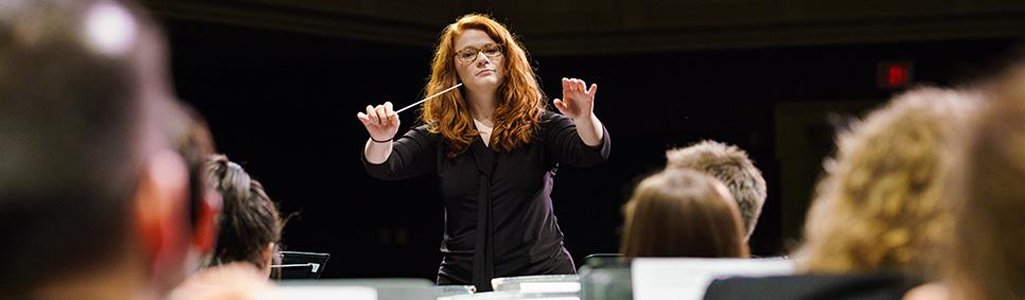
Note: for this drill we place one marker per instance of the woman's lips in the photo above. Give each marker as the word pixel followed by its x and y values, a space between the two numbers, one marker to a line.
pixel 484 72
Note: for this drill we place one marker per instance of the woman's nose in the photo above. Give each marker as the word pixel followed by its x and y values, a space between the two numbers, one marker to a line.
pixel 482 59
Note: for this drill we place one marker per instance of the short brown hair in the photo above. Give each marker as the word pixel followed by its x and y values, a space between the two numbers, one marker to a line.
pixel 733 168
pixel 680 212
pixel 878 207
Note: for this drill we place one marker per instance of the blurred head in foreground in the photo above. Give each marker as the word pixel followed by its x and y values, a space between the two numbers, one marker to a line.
pixel 878 208
pixel 988 199
pixel 95 199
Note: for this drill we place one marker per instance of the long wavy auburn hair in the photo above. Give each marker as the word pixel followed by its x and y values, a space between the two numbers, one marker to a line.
pixel 517 115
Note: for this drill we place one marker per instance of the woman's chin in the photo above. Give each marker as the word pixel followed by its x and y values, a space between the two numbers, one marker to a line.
pixel 486 82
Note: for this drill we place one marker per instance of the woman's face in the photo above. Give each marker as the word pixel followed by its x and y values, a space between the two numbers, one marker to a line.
pixel 479 60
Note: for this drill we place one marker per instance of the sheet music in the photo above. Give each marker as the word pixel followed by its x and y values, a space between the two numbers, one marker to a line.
pixel 687 278
pixel 324 293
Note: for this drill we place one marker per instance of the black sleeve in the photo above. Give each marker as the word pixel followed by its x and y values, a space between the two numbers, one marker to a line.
pixel 413 154
pixel 566 147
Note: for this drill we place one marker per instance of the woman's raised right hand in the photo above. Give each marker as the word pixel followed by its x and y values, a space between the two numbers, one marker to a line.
pixel 381 121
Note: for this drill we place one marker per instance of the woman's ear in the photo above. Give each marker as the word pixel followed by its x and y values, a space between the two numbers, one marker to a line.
pixel 205 235
pixel 160 213
pixel 268 257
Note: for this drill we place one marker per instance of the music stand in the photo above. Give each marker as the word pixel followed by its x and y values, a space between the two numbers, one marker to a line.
pixel 301 265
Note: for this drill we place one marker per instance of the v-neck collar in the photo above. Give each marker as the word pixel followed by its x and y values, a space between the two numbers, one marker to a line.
pixel 489 129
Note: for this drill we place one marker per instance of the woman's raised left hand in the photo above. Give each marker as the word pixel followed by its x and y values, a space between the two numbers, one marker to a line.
pixel 577 102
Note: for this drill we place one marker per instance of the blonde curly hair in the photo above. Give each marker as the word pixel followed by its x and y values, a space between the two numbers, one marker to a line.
pixel 878 207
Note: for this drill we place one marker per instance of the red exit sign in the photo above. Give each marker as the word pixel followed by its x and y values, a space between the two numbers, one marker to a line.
pixel 894 75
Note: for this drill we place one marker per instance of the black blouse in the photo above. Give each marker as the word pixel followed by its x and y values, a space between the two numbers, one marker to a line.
pixel 515 233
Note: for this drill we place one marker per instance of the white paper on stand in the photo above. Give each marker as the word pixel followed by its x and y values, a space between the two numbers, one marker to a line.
pixel 324 293
pixel 687 278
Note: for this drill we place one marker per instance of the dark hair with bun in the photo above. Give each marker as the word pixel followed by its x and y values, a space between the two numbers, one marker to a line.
pixel 249 220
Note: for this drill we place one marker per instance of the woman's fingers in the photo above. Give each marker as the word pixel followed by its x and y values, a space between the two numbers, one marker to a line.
pixel 573 88
pixel 593 90
pixel 363 118
pixel 567 88
pixel 560 105
pixel 372 115
pixel 570 92
pixel 389 113
pixel 382 114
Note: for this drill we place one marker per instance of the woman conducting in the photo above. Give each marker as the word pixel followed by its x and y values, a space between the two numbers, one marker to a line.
pixel 495 149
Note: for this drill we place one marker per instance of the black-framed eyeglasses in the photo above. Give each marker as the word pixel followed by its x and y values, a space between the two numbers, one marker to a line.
pixel 469 54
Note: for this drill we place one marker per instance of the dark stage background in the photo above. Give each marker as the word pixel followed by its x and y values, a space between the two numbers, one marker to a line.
pixel 283 103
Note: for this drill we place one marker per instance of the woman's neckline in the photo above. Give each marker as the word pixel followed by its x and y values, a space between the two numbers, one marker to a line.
pixel 484 131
